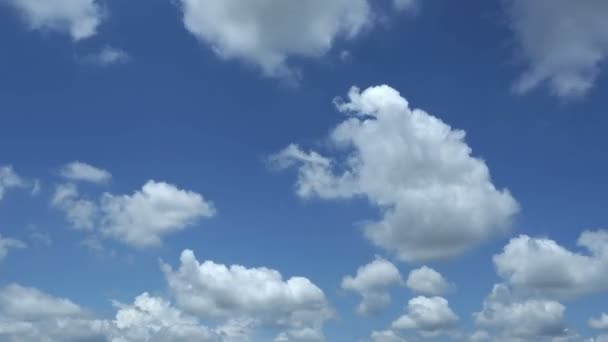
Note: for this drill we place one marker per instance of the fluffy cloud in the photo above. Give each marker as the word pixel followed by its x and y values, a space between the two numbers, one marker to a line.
pixel 386 336
pixel 156 210
pixel 543 267
pixel 266 33
pixel 372 282
pixel 29 315
pixel 437 200
pixel 9 179
pixel 141 219
pixel 8 243
pixel 564 43
pixel 211 290
pixel 431 316
pixel 78 18
pixel 427 281
pixel 79 171
pixel 600 322
pixel 511 318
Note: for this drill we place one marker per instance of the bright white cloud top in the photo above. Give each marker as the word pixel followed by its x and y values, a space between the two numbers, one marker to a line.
pixel 427 281
pixel 78 18
pixel 373 282
pixel 430 316
pixel 437 200
pixel 211 290
pixel 564 43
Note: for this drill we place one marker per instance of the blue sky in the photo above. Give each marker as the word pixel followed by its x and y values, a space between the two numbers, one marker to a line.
pixel 135 132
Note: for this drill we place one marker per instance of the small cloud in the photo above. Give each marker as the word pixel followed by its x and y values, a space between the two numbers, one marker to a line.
pixel 79 171
pixel 38 236
pixel 108 56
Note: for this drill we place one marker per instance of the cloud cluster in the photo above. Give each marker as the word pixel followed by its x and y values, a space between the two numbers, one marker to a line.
pixel 78 18
pixel 373 282
pixel 214 291
pixel 437 200
pixel 141 219
pixel 563 42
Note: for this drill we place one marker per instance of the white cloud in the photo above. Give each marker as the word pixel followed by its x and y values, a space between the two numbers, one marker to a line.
pixel 9 179
pixel 79 171
pixel 29 315
pixel 563 42
pixel 430 316
pixel 426 280
pixel 211 290
pixel 531 319
pixel 372 282
pixel 78 18
pixel 386 336
pixel 108 56
pixel 141 219
pixel 405 5
pixel 541 266
pixel 158 209
pixel 8 243
pixel 437 200
pixel 267 33
pixel 81 213
pixel 600 322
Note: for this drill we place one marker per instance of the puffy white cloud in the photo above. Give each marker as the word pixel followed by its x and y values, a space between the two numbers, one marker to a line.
pixel 108 56
pixel 211 290
pixel 9 179
pixel 8 243
pixel 81 213
pixel 563 42
pixel 141 219
pixel 79 171
pixel 427 281
pixel 154 319
pixel 158 209
pixel 372 282
pixel 543 267
pixel 430 316
pixel 267 33
pixel 78 18
pixel 29 315
pixel 437 200
pixel 600 322
pixel 512 318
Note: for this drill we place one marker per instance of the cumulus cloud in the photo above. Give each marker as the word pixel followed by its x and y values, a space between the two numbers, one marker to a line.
pixel 372 282
pixel 141 219
pixel 437 199
pixel 563 42
pixel 78 18
pixel 79 171
pixel 529 319
pixel 426 280
pixel 7 243
pixel 108 56
pixel 543 267
pixel 158 209
pixel 214 291
pixel 267 33
pixel 9 179
pixel 430 316
pixel 600 322
pixel 29 315
pixel 386 336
